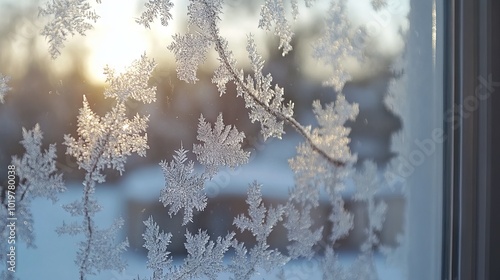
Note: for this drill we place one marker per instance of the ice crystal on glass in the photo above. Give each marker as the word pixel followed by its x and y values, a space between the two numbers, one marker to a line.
pixel 190 51
pixel 205 257
pixel 153 9
pixel 221 146
pixel 106 142
pixel 183 187
pixel 156 243
pixel 300 233
pixel 339 43
pixel 313 171
pixel 133 83
pixel 67 17
pixel 273 12
pixel 260 222
pixel 264 101
pixel 37 177
pixel 4 87
pixel 368 184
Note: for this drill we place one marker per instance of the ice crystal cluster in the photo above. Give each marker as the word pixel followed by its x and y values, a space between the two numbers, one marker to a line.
pixel 184 188
pixel 4 87
pixel 67 17
pixel 339 43
pixel 155 8
pixel 106 142
pixel 204 259
pixel 221 145
pixel 322 164
pixel 37 176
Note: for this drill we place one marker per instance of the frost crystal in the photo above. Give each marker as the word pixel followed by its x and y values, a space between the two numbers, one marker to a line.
pixel 298 223
pixel 368 184
pixel 156 243
pixel 265 103
pixel 105 142
pixel 226 71
pixel 190 51
pixel 67 18
pixel 37 177
pixel 260 223
pixel 133 84
pixel 362 268
pixel 99 250
pixel 313 171
pixel 4 88
pixel 342 221
pixel 338 44
pixel 102 253
pixel 205 258
pixel 222 146
pixel 331 267
pixel 183 189
pixel 153 8
pixel 36 169
pixel 204 13
pixel 273 11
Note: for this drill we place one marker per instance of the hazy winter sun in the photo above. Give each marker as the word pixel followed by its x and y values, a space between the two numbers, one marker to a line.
pixel 117 40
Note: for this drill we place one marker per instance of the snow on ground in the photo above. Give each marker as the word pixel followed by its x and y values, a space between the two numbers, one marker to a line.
pixel 54 256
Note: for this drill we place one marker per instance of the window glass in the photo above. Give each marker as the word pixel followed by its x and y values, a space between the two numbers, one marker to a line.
pixel 207 138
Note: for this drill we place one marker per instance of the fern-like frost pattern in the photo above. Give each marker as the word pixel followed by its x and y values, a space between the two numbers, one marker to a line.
pixel 106 142
pixel 338 44
pixel 156 243
pixel 67 17
pixel 38 177
pixel 260 222
pixel 184 189
pixel 221 146
pixel 273 12
pixel 205 257
pixel 302 237
pixel 155 8
pixel 312 171
pixel 190 51
pixel 264 101
pixel 4 87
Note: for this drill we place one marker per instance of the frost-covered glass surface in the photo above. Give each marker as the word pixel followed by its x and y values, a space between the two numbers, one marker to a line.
pixel 266 139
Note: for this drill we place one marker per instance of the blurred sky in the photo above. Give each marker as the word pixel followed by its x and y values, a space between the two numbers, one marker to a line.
pixel 117 39
pixel 49 92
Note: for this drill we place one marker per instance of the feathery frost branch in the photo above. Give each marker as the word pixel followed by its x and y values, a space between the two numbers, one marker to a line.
pixel 221 147
pixel 265 103
pixel 4 87
pixel 67 17
pixel 153 9
pixel 36 177
pixel 183 187
pixel 260 223
pixel 106 142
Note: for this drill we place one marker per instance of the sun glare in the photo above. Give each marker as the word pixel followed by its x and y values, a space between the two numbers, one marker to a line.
pixel 117 40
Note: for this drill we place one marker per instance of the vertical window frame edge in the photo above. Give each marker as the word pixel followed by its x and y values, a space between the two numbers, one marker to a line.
pixel 468 148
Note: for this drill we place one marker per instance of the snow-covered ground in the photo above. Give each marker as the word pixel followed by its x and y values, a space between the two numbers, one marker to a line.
pixel 54 256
